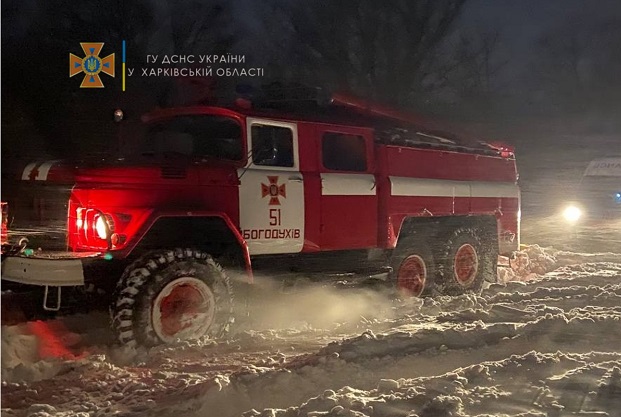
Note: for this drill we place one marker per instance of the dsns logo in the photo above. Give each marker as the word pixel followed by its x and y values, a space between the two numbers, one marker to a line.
pixel 91 65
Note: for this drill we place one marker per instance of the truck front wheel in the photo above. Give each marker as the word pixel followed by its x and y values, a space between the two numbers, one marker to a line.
pixel 172 295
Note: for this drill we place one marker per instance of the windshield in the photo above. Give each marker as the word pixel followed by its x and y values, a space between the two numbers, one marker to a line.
pixel 600 184
pixel 601 194
pixel 197 135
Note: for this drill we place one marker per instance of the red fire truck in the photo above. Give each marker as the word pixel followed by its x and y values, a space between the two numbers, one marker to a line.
pixel 348 187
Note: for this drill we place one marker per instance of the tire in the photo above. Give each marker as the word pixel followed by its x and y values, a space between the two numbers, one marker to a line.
pixel 413 267
pixel 465 261
pixel 168 295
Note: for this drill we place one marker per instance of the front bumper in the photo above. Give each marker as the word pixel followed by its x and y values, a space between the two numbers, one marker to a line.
pixel 55 269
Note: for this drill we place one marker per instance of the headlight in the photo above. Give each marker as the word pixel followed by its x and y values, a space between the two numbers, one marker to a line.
pixel 572 214
pixel 101 228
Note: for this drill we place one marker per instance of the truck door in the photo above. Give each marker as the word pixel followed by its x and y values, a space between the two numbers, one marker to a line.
pixel 349 206
pixel 271 193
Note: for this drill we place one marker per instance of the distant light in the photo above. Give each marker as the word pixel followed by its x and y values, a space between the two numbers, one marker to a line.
pixel 108 256
pixel 118 115
pixel 618 198
pixel 572 214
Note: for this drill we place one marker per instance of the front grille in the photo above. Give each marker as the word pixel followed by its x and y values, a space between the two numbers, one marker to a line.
pixel 174 172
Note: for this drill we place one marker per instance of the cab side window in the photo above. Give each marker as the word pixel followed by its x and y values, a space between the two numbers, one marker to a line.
pixel 272 145
pixel 342 152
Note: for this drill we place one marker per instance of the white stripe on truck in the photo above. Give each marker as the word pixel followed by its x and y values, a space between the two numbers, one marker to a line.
pixel 28 170
pixel 423 187
pixel 347 184
pixel 41 170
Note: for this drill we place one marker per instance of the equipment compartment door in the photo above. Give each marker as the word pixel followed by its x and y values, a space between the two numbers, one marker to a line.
pixel 271 193
pixel 349 207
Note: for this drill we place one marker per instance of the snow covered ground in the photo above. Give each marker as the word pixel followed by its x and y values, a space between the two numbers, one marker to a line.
pixel 547 346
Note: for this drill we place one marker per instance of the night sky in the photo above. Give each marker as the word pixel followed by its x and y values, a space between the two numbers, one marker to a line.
pixel 532 81
pixel 522 22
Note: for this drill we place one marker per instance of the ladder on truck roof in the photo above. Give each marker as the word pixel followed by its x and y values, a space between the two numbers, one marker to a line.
pixel 418 131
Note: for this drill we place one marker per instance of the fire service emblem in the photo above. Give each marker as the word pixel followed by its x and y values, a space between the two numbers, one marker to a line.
pixel 273 190
pixel 91 65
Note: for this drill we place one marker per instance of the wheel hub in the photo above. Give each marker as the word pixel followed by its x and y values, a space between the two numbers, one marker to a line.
pixel 466 264
pixel 412 276
pixel 184 309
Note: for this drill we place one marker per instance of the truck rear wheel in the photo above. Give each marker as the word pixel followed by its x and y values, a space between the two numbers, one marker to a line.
pixel 465 261
pixel 413 267
pixel 172 295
